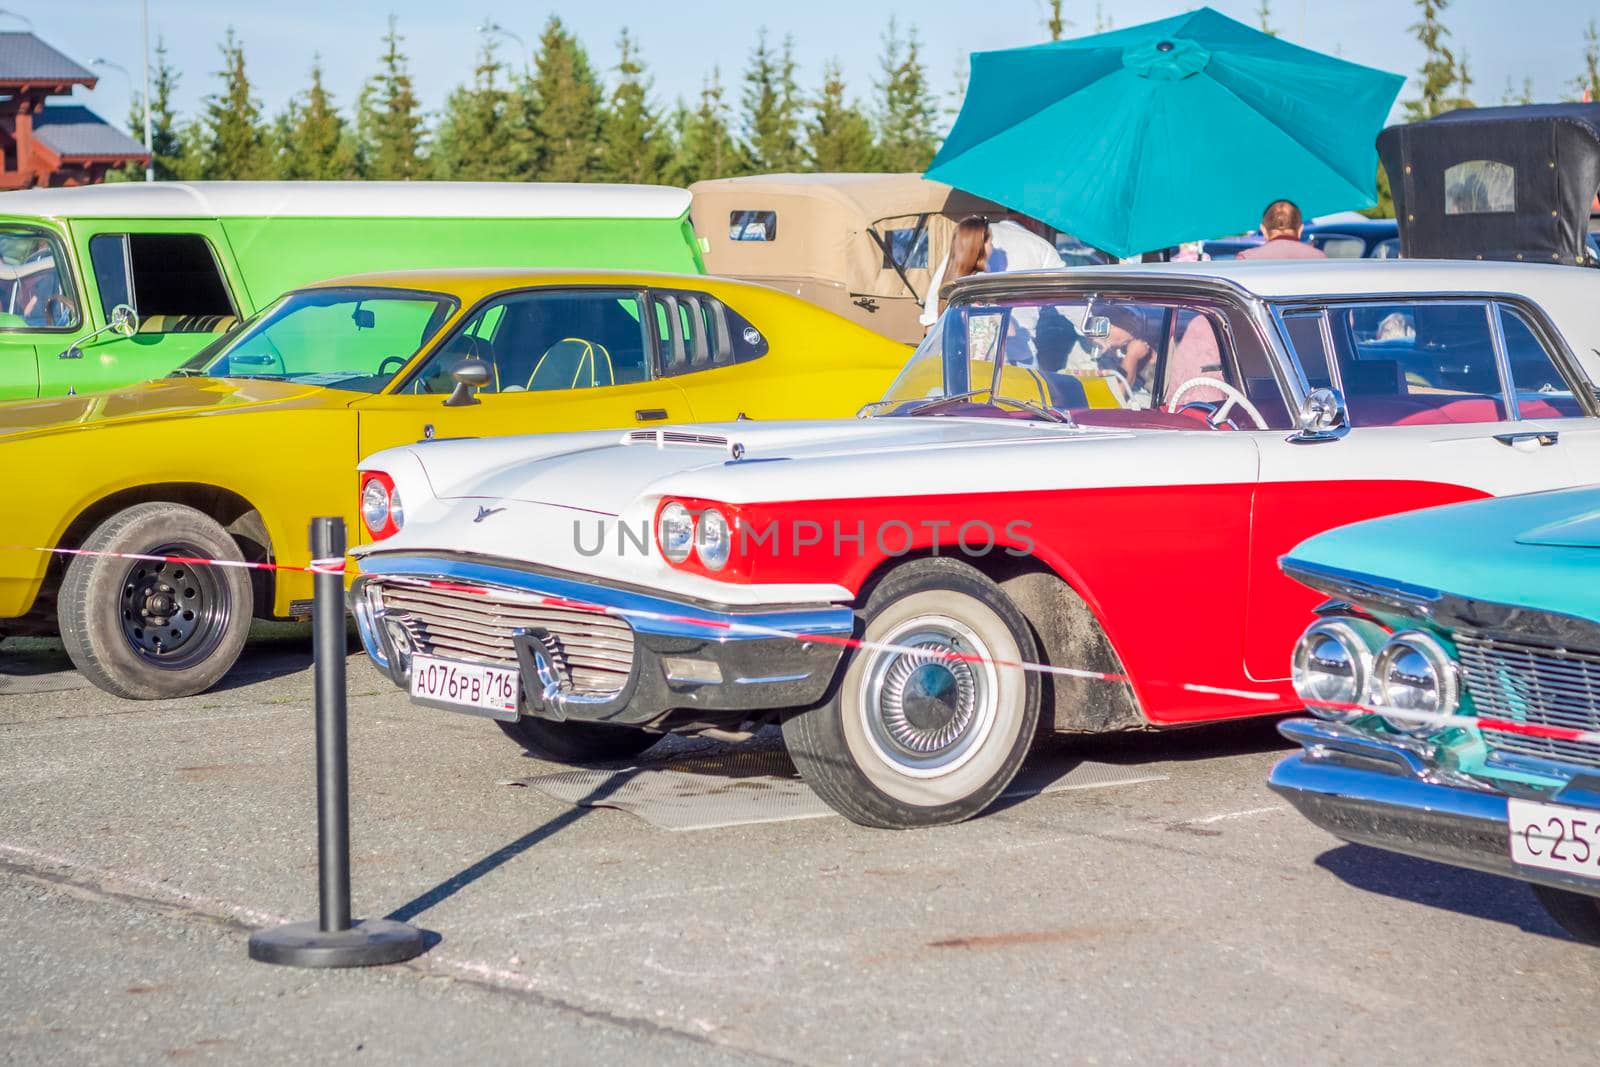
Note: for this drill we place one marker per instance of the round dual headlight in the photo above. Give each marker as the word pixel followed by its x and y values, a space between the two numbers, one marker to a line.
pixel 375 505
pixel 1415 673
pixel 675 532
pixel 714 540
pixel 1332 664
pixel 397 510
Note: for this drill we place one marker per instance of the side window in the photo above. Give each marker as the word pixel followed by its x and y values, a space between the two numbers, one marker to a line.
pixel 546 341
pixel 695 331
pixel 906 246
pixel 36 290
pixel 1304 330
pixel 1404 364
pixel 1542 391
pixel 171 279
pixel 1199 347
pixel 752 225
pixel 1339 245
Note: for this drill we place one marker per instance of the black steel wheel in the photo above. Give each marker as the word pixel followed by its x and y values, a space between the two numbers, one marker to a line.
pixel 148 629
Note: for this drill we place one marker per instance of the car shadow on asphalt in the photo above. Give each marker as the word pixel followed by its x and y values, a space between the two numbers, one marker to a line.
pixel 1440 885
pixel 1211 741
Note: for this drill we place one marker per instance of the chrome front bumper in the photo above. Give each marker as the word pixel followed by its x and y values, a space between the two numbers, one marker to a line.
pixel 1372 792
pixel 766 659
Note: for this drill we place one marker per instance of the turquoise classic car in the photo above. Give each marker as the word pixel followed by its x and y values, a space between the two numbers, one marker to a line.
pixel 1455 679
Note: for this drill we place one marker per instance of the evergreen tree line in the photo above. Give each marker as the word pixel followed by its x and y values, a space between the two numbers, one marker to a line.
pixel 550 117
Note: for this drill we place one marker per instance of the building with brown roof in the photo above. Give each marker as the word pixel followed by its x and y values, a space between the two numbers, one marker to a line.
pixel 52 144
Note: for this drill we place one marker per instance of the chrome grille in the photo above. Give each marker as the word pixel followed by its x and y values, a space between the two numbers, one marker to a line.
pixel 1532 683
pixel 593 651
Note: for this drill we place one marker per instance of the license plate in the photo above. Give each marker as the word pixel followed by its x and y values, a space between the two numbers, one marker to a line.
pixel 473 687
pixel 1554 837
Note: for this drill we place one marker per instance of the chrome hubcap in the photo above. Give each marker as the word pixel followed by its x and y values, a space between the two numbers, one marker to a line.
pixel 926 705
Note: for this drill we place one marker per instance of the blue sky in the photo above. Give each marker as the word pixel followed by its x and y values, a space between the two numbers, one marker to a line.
pixel 681 41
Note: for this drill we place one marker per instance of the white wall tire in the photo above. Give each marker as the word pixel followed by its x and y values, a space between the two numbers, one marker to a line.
pixel 912 736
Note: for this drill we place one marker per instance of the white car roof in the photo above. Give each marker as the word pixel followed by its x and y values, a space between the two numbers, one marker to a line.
pixel 1569 294
pixel 1278 279
pixel 510 200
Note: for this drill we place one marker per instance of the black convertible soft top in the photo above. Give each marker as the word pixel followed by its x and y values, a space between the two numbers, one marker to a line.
pixel 1507 183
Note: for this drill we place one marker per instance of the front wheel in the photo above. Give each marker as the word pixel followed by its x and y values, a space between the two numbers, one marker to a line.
pixel 150 630
pixel 578 742
pixel 928 731
pixel 1576 913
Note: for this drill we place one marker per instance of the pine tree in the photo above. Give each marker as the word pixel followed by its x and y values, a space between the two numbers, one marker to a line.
pixel 907 134
pixel 635 145
pixel 1057 23
pixel 166 144
pixel 473 141
pixel 1513 96
pixel 839 135
pixel 706 147
pixel 1264 17
pixel 1439 73
pixel 1463 93
pixel 232 139
pixel 566 95
pixel 1102 21
pixel 772 109
pixel 315 142
pixel 389 122
pixel 1587 85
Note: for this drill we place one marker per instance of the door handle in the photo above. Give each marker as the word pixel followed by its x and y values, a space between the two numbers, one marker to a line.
pixel 1526 440
pixel 650 414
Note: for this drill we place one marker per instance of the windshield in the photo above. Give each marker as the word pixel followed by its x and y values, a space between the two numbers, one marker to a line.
pixel 1055 354
pixel 346 338
pixel 1142 360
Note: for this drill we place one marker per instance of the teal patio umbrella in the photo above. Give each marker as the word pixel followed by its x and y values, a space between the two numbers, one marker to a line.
pixel 1176 130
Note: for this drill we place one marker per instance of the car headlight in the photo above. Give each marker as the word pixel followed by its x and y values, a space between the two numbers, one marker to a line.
pixel 1332 664
pixel 1414 672
pixel 375 506
pixel 675 532
pixel 397 510
pixel 715 539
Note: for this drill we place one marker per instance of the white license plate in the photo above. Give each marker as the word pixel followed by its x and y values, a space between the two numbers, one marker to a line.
pixel 475 687
pixel 1554 837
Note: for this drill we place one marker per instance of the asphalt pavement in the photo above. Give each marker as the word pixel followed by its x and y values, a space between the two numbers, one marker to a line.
pixel 1191 919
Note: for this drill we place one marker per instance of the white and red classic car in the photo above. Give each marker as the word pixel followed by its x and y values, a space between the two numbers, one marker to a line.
pixel 1070 506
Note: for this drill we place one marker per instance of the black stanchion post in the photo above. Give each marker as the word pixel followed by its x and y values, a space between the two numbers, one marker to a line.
pixel 333 941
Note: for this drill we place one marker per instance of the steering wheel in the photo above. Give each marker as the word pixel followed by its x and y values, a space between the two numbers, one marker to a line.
pixel 1218 415
pixel 398 361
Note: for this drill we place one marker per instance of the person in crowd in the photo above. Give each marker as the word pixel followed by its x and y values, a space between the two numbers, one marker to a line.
pixel 1012 247
pixel 1282 226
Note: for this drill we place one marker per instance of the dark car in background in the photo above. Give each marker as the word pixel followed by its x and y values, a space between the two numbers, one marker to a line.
pixel 1366 239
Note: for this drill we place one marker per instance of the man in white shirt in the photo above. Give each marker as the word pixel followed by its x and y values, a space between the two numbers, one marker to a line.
pixel 1015 248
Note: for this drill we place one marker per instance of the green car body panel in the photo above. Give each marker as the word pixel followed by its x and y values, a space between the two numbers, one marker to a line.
pixel 193 259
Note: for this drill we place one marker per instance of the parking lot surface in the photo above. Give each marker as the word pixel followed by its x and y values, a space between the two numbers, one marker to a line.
pixel 1191 918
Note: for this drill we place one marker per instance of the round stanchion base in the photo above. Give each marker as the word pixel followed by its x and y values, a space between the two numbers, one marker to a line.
pixel 368 943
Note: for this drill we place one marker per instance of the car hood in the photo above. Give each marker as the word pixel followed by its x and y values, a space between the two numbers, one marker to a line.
pixel 1540 551
pixel 730 462
pixel 161 398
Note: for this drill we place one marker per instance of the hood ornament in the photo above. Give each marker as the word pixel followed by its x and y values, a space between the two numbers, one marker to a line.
pixel 484 513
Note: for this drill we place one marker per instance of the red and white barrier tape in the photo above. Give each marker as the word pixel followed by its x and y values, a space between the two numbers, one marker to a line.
pixel 316 566
pixel 337 566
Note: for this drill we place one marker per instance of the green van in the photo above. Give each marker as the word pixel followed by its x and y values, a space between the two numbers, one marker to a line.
pixel 190 260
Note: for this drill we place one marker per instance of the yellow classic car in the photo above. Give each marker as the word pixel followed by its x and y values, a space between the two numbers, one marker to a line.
pixel 236 452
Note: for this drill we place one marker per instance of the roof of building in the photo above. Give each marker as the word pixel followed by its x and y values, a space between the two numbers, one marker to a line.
pixel 24 57
pixel 521 200
pixel 72 131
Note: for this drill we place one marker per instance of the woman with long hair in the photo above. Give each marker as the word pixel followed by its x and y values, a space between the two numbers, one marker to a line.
pixel 970 248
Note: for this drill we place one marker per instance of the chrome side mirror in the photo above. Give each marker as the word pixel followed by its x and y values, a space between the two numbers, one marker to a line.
pixel 1322 417
pixel 470 375
pixel 123 320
